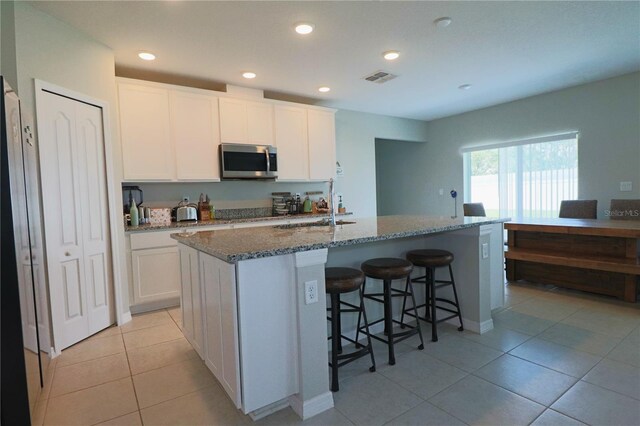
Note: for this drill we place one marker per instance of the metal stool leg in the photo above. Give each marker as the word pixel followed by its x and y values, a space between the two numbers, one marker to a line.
pixel 335 338
pixel 364 284
pixel 455 296
pixel 415 311
pixel 388 317
pixel 404 304
pixel 339 325
pixel 366 325
pixel 434 319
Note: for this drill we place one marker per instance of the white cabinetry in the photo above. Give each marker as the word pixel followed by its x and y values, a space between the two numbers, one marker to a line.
pixel 168 135
pixel 196 135
pixel 244 121
pixel 218 283
pixel 191 299
pixel 155 267
pixel 144 126
pixel 322 144
pixel 291 140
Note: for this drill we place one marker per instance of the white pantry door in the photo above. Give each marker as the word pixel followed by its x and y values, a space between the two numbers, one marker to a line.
pixel 74 197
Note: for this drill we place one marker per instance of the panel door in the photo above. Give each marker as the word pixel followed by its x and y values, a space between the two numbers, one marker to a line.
pixel 291 140
pixel 260 123
pixel 210 281
pixel 147 153
pixel 76 225
pixel 322 145
pixel 156 274
pixel 233 121
pixel 195 132
pixel 94 212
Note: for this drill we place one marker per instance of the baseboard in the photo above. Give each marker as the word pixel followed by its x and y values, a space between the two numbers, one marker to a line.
pixel 476 327
pixel 126 317
pixel 154 306
pixel 269 409
pixel 311 407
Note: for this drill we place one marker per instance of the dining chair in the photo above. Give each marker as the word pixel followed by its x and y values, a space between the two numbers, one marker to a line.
pixel 624 210
pixel 473 209
pixel 579 209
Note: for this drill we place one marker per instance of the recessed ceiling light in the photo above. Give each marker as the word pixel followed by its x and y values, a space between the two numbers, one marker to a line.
pixel 147 56
pixel 445 21
pixel 324 89
pixel 464 87
pixel 391 55
pixel 249 75
pixel 304 28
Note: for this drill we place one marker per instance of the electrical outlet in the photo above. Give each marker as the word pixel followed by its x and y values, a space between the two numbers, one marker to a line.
pixel 441 191
pixel 626 186
pixel 310 292
pixel 185 198
pixel 485 250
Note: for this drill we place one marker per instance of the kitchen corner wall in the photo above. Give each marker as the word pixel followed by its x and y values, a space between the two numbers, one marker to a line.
pixel 8 44
pixel 52 51
pixel 356 134
pixel 606 113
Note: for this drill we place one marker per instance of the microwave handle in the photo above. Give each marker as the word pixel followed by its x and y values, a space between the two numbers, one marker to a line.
pixel 266 153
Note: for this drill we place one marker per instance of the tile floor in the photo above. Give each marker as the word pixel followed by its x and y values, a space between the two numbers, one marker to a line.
pixel 555 357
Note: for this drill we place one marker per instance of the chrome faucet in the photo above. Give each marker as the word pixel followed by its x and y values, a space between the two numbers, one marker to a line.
pixel 332 217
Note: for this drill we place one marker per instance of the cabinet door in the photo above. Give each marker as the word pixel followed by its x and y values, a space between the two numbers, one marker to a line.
pixel 147 153
pixel 210 281
pixel 291 139
pixel 233 121
pixel 230 341
pixel 322 145
pixel 196 136
pixel 260 123
pixel 156 274
pixel 186 300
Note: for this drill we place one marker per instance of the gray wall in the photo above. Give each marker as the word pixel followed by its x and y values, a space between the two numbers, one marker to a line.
pixel 356 133
pixel 402 177
pixel 8 44
pixel 606 113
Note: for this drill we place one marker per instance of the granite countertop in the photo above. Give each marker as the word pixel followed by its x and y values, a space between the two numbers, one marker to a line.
pixel 180 225
pixel 240 244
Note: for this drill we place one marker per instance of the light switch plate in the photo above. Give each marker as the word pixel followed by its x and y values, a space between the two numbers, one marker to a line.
pixel 626 186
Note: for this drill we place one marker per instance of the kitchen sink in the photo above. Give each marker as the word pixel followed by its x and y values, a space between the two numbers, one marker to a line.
pixel 309 224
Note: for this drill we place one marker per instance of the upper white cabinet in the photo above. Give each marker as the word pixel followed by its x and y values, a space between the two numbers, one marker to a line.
pixel 244 121
pixel 170 133
pixel 196 135
pixel 144 125
pixel 292 143
pixel 322 144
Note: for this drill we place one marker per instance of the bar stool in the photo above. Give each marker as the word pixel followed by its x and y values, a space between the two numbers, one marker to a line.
pixel 387 270
pixel 339 281
pixel 430 260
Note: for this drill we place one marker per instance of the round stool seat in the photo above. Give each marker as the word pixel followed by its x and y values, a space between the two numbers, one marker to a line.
pixel 343 280
pixel 386 268
pixel 430 258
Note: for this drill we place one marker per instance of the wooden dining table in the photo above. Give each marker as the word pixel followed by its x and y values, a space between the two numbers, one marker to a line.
pixel 594 255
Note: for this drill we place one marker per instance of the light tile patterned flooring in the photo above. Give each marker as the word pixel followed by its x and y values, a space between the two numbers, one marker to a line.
pixel 555 357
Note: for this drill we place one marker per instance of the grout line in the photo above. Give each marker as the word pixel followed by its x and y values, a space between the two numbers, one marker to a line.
pixel 116 417
pixel 133 384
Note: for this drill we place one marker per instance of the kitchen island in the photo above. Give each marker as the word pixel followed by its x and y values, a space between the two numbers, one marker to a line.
pixel 254 305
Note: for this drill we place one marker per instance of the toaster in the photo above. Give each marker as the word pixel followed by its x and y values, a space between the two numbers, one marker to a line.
pixel 186 213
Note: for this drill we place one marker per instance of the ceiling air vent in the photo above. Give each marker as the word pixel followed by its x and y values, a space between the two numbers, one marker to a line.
pixel 380 77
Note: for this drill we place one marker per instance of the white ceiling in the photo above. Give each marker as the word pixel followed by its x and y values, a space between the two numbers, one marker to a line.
pixel 506 50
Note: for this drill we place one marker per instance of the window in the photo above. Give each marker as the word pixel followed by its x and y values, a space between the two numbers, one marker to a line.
pixel 525 179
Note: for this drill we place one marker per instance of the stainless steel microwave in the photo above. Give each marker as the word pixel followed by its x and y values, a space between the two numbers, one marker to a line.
pixel 240 161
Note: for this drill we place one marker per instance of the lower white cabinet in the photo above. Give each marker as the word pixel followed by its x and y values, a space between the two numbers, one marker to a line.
pixel 218 282
pixel 154 267
pixel 209 316
pixel 191 299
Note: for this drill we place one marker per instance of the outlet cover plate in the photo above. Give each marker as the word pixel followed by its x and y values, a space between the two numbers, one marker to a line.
pixel 310 292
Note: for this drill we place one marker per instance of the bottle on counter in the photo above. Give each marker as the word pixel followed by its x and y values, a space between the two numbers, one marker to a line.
pixel 133 211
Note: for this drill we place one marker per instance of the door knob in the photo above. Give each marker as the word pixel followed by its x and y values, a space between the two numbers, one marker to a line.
pixel 66 253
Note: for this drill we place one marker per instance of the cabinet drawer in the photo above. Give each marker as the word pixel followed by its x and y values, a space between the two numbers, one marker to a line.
pixel 152 240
